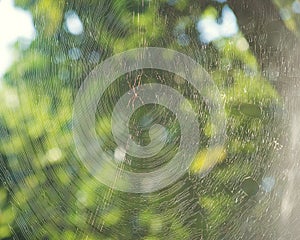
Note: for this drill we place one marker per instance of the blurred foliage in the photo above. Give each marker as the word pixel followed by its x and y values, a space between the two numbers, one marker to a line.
pixel 46 193
pixel 290 14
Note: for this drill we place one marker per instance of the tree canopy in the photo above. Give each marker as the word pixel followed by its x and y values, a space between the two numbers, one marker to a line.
pixel 47 193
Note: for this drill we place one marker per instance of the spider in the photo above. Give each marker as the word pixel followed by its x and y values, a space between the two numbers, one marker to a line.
pixel 134 88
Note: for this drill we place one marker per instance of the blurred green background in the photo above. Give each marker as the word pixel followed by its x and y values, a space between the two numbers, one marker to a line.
pixel 46 193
